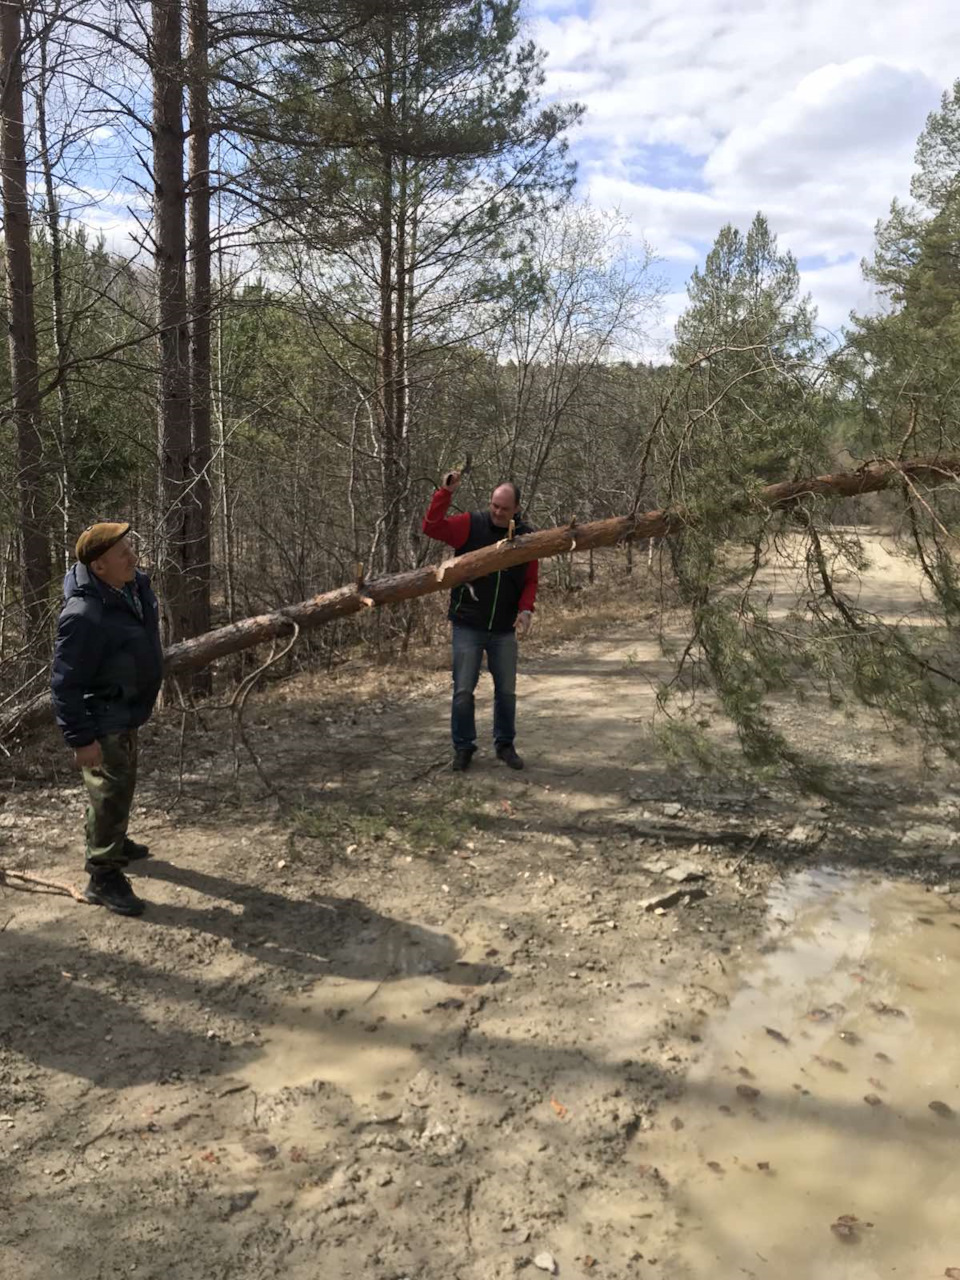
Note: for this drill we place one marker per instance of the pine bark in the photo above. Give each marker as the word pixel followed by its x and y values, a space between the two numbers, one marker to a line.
pixel 177 527
pixel 201 300
pixel 35 544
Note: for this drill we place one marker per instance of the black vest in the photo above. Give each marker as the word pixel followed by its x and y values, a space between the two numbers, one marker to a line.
pixel 490 603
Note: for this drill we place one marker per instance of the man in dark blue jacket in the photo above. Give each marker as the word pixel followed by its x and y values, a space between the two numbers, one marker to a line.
pixel 107 672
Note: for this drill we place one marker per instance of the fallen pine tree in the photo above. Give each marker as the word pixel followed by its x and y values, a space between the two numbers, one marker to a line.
pixel 201 651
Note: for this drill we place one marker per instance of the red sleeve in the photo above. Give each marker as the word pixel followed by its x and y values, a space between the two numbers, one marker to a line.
pixel 529 593
pixel 453 530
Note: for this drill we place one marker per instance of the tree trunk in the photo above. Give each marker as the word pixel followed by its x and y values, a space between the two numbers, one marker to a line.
pixel 201 301
pixel 35 566
pixel 4 583
pixel 64 407
pixel 401 404
pixel 390 462
pixel 226 492
pixel 176 525
pixel 191 655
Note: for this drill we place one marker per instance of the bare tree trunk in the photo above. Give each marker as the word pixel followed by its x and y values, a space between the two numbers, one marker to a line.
pixel 176 525
pixel 226 492
pixel 223 469
pixel 400 264
pixel 401 394
pixel 387 353
pixel 200 369
pixel 386 377
pixel 4 590
pixel 64 407
pixel 35 567
pixel 409 260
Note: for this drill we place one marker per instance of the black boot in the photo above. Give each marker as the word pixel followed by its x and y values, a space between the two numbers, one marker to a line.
pixel 110 888
pixel 508 755
pixel 134 852
pixel 461 761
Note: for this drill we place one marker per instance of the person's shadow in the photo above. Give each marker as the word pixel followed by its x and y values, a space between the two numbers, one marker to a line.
pixel 62 1013
pixel 320 935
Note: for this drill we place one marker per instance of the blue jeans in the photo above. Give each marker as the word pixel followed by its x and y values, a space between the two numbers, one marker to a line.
pixel 469 646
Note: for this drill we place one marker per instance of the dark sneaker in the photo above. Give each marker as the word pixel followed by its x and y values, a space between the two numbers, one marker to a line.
pixel 461 761
pixel 110 888
pixel 133 851
pixel 509 756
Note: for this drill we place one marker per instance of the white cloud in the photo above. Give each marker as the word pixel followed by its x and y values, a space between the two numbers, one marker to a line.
pixel 670 219
pixel 704 113
pixel 866 106
pixel 828 155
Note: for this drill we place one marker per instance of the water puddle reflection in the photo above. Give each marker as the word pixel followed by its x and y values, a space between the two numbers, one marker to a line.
pixel 818 1137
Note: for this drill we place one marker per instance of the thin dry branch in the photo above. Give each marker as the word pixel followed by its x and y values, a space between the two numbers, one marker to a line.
pixel 26 877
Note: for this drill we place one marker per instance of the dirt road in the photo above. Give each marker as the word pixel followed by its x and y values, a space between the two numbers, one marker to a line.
pixel 420 1025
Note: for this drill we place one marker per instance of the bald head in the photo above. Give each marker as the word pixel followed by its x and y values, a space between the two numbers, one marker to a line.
pixel 504 504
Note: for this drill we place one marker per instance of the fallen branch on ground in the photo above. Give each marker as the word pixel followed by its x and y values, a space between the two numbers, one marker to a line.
pixel 57 886
pixel 192 655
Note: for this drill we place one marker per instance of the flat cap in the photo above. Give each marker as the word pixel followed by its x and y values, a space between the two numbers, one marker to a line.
pixel 93 542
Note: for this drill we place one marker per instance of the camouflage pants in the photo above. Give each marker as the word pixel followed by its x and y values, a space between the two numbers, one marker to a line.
pixel 110 791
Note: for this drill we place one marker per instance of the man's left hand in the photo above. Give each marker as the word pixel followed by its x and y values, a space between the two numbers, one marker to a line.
pixel 524 623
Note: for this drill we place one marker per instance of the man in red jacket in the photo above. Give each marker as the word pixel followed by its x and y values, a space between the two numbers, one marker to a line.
pixel 487 617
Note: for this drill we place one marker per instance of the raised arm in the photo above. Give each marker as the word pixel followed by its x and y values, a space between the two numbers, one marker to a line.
pixel 453 530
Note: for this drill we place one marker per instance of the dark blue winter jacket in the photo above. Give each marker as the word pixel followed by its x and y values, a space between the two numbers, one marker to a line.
pixel 107 664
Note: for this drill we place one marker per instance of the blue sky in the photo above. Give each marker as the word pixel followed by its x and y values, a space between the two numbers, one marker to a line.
pixel 703 112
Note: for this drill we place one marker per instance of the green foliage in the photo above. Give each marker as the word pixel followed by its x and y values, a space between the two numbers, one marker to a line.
pixel 99 439
pixel 904 367
pixel 770 403
pixel 427 113
pixel 937 156
pixel 748 339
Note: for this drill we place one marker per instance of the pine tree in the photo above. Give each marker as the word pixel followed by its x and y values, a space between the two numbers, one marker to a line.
pixel 905 361
pixel 750 334
pixel 430 154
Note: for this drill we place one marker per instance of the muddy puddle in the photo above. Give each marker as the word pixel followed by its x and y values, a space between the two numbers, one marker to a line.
pixel 819 1135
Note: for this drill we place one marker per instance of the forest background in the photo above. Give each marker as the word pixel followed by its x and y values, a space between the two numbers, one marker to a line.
pixel 361 256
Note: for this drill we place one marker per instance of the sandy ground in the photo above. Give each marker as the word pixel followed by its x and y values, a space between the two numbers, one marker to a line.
pixel 406 1023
